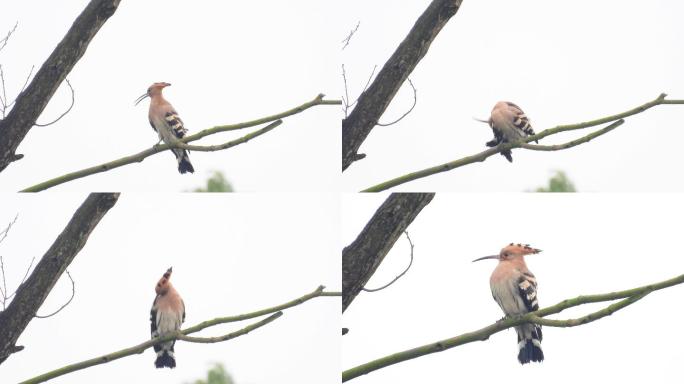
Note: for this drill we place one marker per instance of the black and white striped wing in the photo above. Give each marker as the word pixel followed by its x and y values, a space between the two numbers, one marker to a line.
pixel 520 120
pixel 527 286
pixel 175 124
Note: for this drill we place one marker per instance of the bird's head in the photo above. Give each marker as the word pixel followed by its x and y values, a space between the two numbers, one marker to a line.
pixel 512 251
pixel 164 283
pixel 153 90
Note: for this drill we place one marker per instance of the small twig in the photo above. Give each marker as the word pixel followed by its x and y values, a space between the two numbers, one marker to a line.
pixel 4 94
pixel 348 38
pixel 3 289
pixel 4 40
pixel 67 111
pixel 345 98
pixel 401 274
pixel 345 101
pixel 415 100
pixel 365 87
pixel 23 279
pixel 73 293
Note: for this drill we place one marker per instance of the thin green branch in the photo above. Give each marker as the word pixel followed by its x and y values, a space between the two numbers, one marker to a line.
pixel 275 120
pixel 232 335
pixel 318 100
pixel 607 311
pixel 182 335
pixel 630 296
pixel 482 156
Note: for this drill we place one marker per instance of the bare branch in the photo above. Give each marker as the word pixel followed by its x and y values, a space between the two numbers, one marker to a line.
pixel 615 120
pixel 275 312
pixel 348 38
pixel 401 274
pixel 630 296
pixel 361 258
pixel 4 105
pixel 65 112
pixel 415 100
pixel 3 290
pixel 348 105
pixel 73 293
pixel 31 103
pixel 31 294
pixel 373 103
pixel 23 279
pixel 4 40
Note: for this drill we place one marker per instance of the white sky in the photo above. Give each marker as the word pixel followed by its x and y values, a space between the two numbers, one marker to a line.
pixel 562 62
pixel 228 62
pixel 230 254
pixel 592 243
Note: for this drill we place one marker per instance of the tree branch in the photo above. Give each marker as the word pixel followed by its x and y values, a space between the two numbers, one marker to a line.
pixel 182 143
pixel 182 335
pixel 373 103
pixel 31 294
pixel 73 293
pixel 399 275
pixel 361 258
pixel 630 296
pixel 31 103
pixel 616 120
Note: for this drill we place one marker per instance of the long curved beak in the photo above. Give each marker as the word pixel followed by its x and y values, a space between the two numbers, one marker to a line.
pixel 480 120
pixel 487 257
pixel 141 98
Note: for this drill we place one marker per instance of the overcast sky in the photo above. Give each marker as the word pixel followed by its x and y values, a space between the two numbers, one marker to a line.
pixel 592 243
pixel 231 254
pixel 561 62
pixel 228 62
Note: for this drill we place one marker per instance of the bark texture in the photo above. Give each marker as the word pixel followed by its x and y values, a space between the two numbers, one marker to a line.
pixel 32 293
pixel 374 101
pixel 361 258
pixel 32 101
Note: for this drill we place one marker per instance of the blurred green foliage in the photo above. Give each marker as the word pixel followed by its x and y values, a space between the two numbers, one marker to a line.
pixel 216 375
pixel 558 183
pixel 216 183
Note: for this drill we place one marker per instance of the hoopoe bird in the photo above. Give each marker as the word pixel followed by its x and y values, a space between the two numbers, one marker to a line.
pixel 167 315
pixel 509 124
pixel 165 121
pixel 515 290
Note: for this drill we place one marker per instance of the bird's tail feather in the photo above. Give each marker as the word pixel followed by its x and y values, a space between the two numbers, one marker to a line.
pixel 184 164
pixel 165 359
pixel 507 154
pixel 529 345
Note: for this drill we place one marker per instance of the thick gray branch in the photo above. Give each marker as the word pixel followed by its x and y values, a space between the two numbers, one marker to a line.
pixel 361 258
pixel 373 102
pixel 32 293
pixel 32 101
